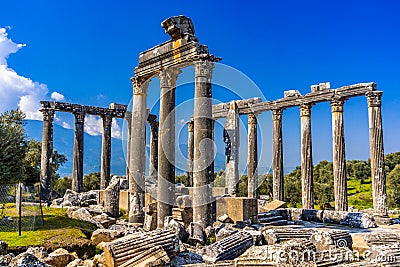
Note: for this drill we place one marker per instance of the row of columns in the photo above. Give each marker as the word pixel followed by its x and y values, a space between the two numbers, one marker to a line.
pixel 77 166
pixel 339 158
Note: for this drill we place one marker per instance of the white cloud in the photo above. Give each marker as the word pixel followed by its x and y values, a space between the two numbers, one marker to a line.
pixel 57 96
pixel 94 126
pixel 16 90
pixel 66 125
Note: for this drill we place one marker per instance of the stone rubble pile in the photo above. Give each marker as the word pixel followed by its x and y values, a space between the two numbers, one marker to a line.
pixel 72 198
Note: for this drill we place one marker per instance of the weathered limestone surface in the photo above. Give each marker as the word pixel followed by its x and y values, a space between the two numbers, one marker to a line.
pixel 190 125
pixel 77 167
pixel 331 240
pixel 153 165
pixel 232 139
pixel 377 153
pixel 384 238
pixel 277 157
pixel 306 158
pixel 238 208
pixel 252 159
pixel 105 151
pixel 166 145
pixel 47 150
pixel 339 158
pixel 229 247
pixel 203 144
pixel 111 198
pixel 140 245
pixel 137 159
pixel 278 235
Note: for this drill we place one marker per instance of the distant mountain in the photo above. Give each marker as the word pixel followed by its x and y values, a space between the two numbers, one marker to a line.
pixel 64 144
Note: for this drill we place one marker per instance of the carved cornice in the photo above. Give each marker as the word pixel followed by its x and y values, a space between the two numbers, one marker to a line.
pixel 374 98
pixel 79 116
pixel 277 114
pixel 252 118
pixel 140 85
pixel 305 110
pixel 48 114
pixel 337 105
pixel 169 76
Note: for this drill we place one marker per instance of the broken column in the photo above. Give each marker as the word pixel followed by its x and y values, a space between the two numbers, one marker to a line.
pixel 190 125
pixel 105 151
pixel 231 139
pixel 339 158
pixel 137 160
pixel 277 157
pixel 47 151
pixel 111 197
pixel 377 153
pixel 252 160
pixel 202 197
pixel 166 145
pixel 77 167
pixel 153 166
pixel 306 157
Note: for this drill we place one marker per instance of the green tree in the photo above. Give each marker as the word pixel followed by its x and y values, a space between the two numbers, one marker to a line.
pixel 323 182
pixel 91 181
pixel 292 187
pixel 358 169
pixel 265 185
pixel 391 160
pixel 393 187
pixel 61 185
pixel 12 146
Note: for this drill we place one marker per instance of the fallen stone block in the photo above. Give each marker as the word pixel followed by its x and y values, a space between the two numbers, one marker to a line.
pixel 155 257
pixel 184 215
pixel 358 220
pixel 331 240
pixel 26 259
pixel 38 252
pixel 197 234
pixel 381 238
pixel 105 235
pixel 278 235
pixel 58 258
pixel 274 205
pixel 228 248
pixel 111 197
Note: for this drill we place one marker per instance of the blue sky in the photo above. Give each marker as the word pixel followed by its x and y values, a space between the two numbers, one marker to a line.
pixel 86 51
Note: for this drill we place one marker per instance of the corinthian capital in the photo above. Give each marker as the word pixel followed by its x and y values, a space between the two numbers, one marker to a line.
pixel 337 105
pixel 140 85
pixel 204 68
pixel 48 114
pixel 169 76
pixel 305 110
pixel 374 98
pixel 277 114
pixel 252 118
pixel 79 116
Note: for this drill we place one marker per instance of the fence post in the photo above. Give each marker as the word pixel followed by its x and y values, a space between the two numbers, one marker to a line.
pixel 19 192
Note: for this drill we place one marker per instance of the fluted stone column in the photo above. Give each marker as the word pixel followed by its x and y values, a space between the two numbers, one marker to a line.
pixel 47 151
pixel 377 153
pixel 105 151
pixel 77 166
pixel 252 159
pixel 339 158
pixel 190 125
pixel 137 161
pixel 202 208
pixel 306 158
pixel 128 118
pixel 231 139
pixel 277 156
pixel 166 145
pixel 153 166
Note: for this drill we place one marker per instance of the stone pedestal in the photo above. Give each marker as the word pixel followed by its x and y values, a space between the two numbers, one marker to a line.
pixel 202 210
pixel 339 158
pixel 77 167
pixel 137 161
pixel 231 139
pixel 166 145
pixel 238 208
pixel 105 151
pixel 252 159
pixel 47 151
pixel 277 156
pixel 377 153
pixel 306 158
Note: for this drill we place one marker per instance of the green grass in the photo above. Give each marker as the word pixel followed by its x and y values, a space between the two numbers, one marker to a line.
pixel 58 228
pixel 359 194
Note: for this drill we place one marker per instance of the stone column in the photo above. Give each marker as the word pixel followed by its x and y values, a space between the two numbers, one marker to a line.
pixel 306 158
pixel 105 151
pixel 190 125
pixel 339 158
pixel 202 198
pixel 252 159
pixel 47 151
pixel 153 166
pixel 77 166
pixel 231 138
pixel 128 118
pixel 137 160
pixel 377 153
pixel 277 156
pixel 166 145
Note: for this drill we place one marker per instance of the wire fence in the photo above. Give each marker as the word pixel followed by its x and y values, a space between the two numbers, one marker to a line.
pixel 19 208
